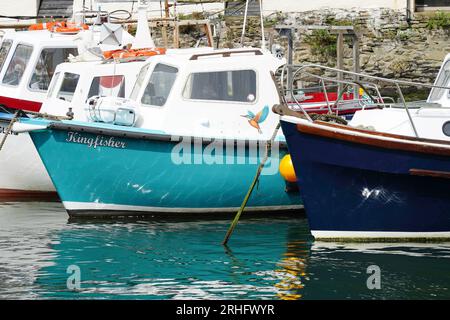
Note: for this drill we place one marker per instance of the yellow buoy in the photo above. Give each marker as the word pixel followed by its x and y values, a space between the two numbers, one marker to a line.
pixel 287 169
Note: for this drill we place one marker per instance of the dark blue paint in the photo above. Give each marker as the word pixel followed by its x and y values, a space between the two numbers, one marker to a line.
pixel 354 187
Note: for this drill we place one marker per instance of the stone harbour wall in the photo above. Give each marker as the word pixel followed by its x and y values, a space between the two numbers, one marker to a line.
pixel 389 45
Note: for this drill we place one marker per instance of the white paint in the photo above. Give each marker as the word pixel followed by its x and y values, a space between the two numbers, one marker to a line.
pixel 21 168
pixel 73 205
pixel 19 127
pixel 427 120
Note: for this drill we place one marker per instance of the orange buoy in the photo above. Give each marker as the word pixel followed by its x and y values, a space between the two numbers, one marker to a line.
pixel 287 169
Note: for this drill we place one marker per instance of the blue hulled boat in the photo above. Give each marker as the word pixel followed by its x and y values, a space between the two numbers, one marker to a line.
pixel 188 140
pixel 357 184
pixel 384 175
pixel 103 170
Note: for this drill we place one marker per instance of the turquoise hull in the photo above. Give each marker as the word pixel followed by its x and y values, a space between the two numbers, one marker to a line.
pixel 101 172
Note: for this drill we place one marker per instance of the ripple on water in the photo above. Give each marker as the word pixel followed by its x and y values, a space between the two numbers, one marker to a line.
pixel 268 258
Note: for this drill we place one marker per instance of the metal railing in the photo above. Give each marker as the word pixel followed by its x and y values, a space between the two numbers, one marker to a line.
pixel 356 83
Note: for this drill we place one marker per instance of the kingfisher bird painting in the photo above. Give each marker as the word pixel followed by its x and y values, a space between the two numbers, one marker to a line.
pixel 256 119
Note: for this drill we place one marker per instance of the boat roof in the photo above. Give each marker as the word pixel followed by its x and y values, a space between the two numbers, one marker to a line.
pixel 41 37
pixel 206 57
pixel 95 67
pixel 214 58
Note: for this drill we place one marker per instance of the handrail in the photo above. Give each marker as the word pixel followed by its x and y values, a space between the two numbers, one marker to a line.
pixel 410 83
pixel 363 85
pixel 224 54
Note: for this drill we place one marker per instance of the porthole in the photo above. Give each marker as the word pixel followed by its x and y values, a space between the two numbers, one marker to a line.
pixel 446 128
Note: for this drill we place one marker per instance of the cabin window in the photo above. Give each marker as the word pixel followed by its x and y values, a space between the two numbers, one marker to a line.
pixel 4 50
pixel 68 86
pixel 46 65
pixel 51 89
pixel 113 86
pixel 158 87
pixel 238 86
pixel 139 81
pixel 17 65
pixel 442 80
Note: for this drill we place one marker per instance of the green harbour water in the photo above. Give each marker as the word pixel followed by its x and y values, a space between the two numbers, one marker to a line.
pixel 267 258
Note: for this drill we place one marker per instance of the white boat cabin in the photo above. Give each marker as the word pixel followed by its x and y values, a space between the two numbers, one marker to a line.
pixel 74 83
pixel 430 118
pixel 226 93
pixel 28 60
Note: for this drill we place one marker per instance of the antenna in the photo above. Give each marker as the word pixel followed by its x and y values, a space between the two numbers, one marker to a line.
pixel 263 38
pixel 143 37
pixel 245 22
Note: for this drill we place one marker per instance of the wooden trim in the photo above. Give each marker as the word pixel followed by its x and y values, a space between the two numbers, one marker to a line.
pixel 375 140
pixel 383 134
pixel 429 173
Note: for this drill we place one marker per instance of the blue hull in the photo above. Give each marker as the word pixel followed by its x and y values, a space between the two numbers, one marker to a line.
pixel 133 175
pixel 357 191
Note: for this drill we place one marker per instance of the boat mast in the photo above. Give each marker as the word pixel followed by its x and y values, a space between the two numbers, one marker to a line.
pixel 143 38
pixel 263 38
pixel 245 22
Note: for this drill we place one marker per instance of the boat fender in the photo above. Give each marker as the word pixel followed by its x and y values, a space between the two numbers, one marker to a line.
pixel 286 169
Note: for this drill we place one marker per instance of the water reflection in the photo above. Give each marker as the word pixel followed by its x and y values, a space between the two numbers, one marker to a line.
pixel 170 260
pixel 267 258
pixel 26 231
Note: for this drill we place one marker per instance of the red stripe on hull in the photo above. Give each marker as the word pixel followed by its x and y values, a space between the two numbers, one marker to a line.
pixel 20 104
pixel 27 195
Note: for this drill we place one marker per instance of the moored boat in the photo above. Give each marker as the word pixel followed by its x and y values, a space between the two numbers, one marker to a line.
pixel 362 184
pixel 28 59
pixel 23 176
pixel 41 81
pixel 201 125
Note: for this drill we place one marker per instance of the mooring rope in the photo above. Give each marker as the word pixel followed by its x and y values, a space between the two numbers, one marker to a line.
pixel 260 167
pixel 252 186
pixel 9 128
pixel 35 114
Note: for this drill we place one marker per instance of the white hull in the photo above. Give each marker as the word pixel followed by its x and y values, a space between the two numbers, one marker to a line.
pixel 21 168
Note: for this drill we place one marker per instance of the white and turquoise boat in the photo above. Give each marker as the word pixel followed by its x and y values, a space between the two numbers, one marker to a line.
pixel 188 141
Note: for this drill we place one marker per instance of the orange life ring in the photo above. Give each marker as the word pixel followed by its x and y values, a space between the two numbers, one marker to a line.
pixel 70 29
pixel 133 53
pixel 45 25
